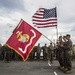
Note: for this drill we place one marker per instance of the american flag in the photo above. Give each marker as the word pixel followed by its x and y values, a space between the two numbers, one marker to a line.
pixel 45 18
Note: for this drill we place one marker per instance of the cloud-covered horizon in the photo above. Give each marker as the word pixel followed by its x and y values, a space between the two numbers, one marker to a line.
pixel 12 11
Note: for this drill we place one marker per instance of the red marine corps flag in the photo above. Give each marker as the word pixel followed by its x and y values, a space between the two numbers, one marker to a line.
pixel 23 39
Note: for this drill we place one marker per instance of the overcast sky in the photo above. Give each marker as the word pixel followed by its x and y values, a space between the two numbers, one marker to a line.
pixel 11 11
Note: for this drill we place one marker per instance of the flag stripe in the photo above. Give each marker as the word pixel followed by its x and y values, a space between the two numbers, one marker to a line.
pixel 45 23
pixel 46 26
pixel 37 17
pixel 42 20
pixel 45 17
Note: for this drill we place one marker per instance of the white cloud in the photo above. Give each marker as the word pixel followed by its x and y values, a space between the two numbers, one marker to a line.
pixel 11 14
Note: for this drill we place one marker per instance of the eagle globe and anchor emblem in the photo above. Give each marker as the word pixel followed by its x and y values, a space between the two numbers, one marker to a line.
pixel 22 37
pixel 25 38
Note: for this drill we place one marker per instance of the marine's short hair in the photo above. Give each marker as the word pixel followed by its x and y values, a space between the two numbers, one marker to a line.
pixel 38 43
pixel 50 42
pixel 64 36
pixel 60 36
pixel 45 44
pixel 68 35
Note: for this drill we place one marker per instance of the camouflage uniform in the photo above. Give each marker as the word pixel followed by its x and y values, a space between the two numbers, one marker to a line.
pixel 50 52
pixel 7 54
pixel 0 52
pixel 34 52
pixel 31 56
pixel 67 55
pixel 60 52
pixel 38 52
pixel 45 52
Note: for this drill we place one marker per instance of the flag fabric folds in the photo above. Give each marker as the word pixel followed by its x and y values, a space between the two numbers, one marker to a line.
pixel 23 39
pixel 45 18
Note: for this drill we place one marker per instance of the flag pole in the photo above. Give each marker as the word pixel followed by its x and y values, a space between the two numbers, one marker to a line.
pixel 56 33
pixel 47 38
pixel 18 25
pixel 56 27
